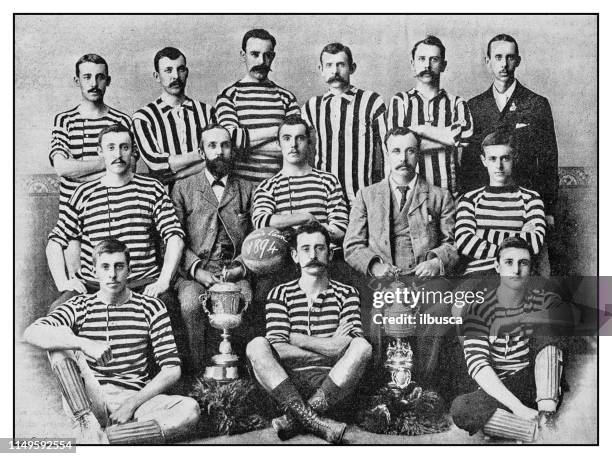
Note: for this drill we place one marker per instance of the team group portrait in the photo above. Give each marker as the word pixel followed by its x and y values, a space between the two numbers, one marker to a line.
pixel 306 229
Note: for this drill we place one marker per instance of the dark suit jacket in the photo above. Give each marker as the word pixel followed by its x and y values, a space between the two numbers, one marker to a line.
pixel 431 216
pixel 530 117
pixel 197 210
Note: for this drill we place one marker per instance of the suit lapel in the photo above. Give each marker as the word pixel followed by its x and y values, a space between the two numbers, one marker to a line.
pixel 206 190
pixel 419 196
pixel 231 188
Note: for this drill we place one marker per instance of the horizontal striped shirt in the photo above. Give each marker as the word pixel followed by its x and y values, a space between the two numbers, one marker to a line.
pixel 510 352
pixel 133 213
pixel 317 193
pixel 440 166
pixel 488 215
pixel 252 113
pixel 128 329
pixel 162 130
pixel 350 131
pixel 287 311
pixel 76 137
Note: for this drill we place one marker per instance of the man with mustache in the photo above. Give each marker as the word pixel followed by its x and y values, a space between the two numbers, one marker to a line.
pixel 214 208
pixel 168 129
pixel 314 347
pixel 403 225
pixel 349 124
pixel 442 120
pixel 122 205
pixel 74 143
pixel 252 109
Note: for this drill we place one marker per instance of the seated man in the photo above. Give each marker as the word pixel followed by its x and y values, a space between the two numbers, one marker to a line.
pixel 126 206
pixel 489 214
pixel 213 207
pixel 313 344
pixel 403 225
pixel 512 351
pixel 98 345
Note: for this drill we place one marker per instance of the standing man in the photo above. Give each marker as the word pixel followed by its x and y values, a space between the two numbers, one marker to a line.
pixel 442 120
pixel 168 129
pixel 510 106
pixel 214 208
pixel 404 225
pixel 121 205
pixel 314 346
pixel 349 124
pixel 98 346
pixel 512 350
pixel 489 214
pixel 252 109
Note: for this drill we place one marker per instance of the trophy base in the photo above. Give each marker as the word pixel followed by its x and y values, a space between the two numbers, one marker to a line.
pixel 225 359
pixel 222 373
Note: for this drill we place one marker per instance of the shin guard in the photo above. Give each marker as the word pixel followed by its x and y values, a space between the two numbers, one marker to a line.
pixel 73 389
pixel 547 372
pixel 135 433
pixel 507 425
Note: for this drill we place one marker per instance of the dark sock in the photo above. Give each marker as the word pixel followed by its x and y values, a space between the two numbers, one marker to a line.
pixel 333 393
pixel 285 392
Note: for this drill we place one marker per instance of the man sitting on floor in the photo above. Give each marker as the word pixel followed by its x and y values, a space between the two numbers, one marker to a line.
pixel 512 350
pixel 98 351
pixel 314 342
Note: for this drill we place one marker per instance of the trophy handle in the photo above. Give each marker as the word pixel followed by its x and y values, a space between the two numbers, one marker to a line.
pixel 203 299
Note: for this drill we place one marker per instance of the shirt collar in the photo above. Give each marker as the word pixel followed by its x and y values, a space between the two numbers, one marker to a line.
pixel 411 184
pixel 441 93
pixel 167 108
pixel 505 96
pixel 211 177
pixel 349 95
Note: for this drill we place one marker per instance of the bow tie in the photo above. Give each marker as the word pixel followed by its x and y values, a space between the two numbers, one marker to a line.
pixel 217 182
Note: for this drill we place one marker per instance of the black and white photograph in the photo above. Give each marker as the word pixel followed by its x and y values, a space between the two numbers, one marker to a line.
pixel 306 229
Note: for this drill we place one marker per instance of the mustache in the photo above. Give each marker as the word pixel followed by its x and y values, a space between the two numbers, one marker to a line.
pixel 337 78
pixel 314 264
pixel 261 68
pixel 94 91
pixel 425 72
pixel 404 164
pixel 118 161
pixel 176 84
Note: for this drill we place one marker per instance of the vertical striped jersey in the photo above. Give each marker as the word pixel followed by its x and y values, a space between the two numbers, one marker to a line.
pixel 508 353
pixel 350 130
pixel 287 311
pixel 162 130
pixel 440 166
pixel 252 113
pixel 488 215
pixel 132 213
pixel 76 137
pixel 317 192
pixel 128 329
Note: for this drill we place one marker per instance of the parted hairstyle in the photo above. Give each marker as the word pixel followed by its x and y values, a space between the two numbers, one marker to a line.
pixel 335 48
pixel 262 34
pixel 116 128
pixel 433 41
pixel 170 53
pixel 111 245
pixel 502 37
pixel 499 137
pixel 309 228
pixel 294 120
pixel 93 58
pixel 513 243
pixel 401 131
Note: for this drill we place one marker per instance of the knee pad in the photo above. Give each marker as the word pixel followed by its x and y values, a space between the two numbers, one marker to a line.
pixel 547 371
pixel 507 425
pixel 135 433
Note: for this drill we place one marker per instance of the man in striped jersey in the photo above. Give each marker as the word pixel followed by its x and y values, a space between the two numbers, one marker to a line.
pixel 489 214
pixel 168 129
pixel 74 139
pixel 121 204
pixel 103 338
pixel 349 124
pixel 314 345
pixel 442 120
pixel 214 208
pixel 512 350
pixel 252 109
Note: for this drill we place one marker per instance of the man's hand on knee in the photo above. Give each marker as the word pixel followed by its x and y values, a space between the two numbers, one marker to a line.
pixel 125 412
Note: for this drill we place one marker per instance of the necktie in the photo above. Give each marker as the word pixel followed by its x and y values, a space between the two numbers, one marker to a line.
pixel 218 182
pixel 404 190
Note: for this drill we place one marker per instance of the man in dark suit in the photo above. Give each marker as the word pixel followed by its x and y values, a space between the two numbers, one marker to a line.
pixel 214 208
pixel 508 105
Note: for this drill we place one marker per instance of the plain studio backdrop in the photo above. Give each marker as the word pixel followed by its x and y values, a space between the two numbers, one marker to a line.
pixel 559 61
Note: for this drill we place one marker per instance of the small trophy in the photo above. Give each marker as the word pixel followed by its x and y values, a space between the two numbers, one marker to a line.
pixel 399 354
pixel 227 304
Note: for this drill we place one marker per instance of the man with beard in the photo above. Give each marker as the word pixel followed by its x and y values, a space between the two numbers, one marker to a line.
pixel 74 144
pixel 168 129
pixel 252 108
pixel 443 121
pixel 349 124
pixel 214 208
pixel 314 346
pixel 404 226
